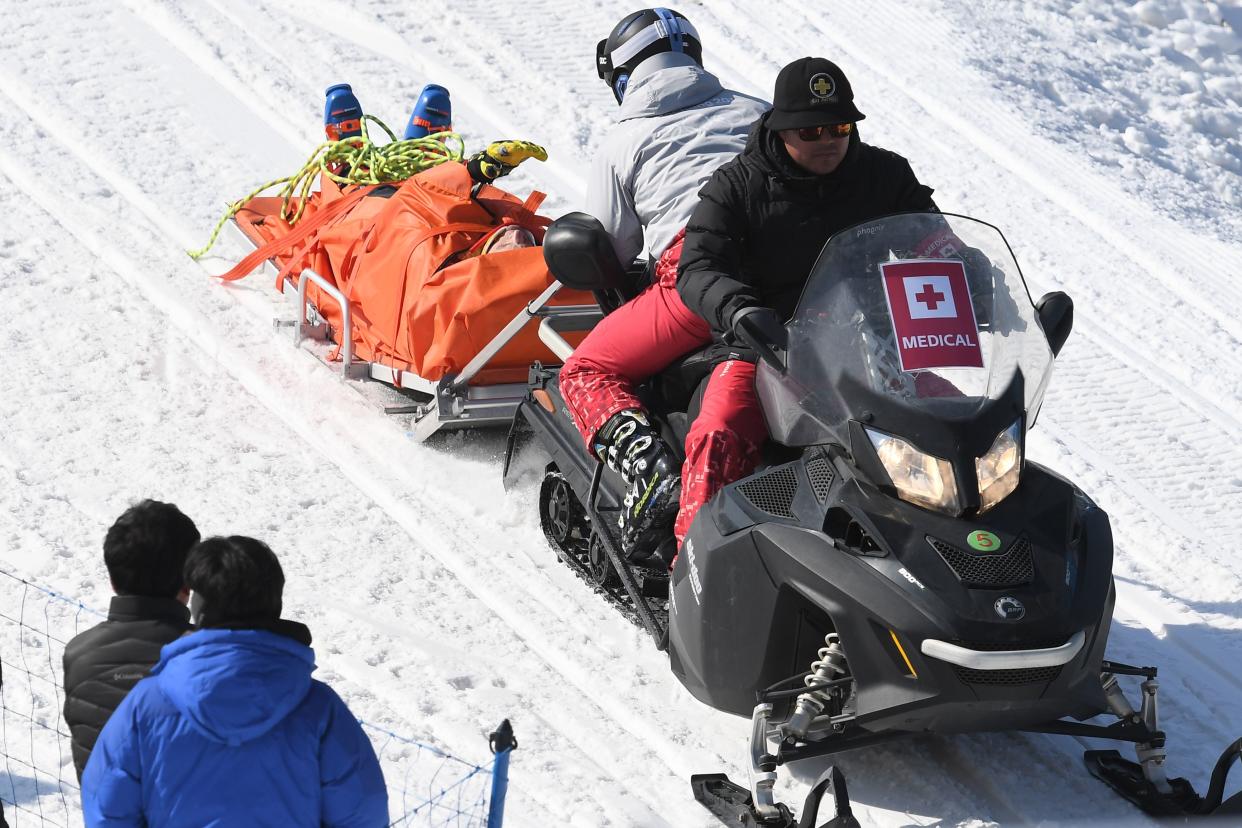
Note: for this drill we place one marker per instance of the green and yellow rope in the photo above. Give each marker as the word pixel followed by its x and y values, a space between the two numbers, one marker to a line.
pixel 364 162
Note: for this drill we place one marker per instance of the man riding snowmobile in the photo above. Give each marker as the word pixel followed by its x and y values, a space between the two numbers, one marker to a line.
pixel 749 245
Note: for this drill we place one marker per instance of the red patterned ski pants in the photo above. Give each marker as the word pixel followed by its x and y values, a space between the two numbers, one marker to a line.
pixel 637 341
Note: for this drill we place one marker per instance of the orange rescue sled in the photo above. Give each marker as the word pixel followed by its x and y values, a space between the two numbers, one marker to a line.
pixel 394 276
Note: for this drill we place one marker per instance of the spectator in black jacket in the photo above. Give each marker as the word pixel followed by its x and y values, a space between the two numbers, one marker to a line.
pixel 145 552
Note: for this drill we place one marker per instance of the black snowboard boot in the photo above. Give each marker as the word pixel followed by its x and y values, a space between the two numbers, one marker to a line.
pixel 635 449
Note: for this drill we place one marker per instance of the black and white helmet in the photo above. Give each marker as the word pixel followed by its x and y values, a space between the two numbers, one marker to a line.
pixel 639 36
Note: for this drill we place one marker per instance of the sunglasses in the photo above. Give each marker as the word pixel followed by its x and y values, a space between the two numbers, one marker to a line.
pixel 832 131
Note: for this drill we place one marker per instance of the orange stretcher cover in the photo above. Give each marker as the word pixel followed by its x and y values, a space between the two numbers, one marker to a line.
pixel 419 300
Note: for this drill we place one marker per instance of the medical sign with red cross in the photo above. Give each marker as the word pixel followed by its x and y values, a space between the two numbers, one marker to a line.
pixel 933 318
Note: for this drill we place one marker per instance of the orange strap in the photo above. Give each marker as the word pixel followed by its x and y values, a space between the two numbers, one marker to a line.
pixel 297 234
pixel 443 229
pixel 533 201
pixel 294 262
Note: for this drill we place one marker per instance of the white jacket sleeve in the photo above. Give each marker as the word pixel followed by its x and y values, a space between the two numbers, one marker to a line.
pixel 610 199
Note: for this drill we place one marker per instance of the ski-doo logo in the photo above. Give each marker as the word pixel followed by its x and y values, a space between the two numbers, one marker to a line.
pixel 933 318
pixel 696 585
pixel 823 86
pixel 1009 608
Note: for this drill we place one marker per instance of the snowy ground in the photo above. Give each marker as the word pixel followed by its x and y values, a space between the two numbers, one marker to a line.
pixel 1103 137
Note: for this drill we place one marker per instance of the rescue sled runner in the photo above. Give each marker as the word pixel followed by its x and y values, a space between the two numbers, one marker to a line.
pixel 895 566
pixel 406 284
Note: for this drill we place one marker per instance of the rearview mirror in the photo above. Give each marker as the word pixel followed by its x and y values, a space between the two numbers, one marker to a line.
pixel 1056 316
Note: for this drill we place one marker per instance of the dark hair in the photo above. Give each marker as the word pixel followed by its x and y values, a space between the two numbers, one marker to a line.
pixel 145 549
pixel 235 579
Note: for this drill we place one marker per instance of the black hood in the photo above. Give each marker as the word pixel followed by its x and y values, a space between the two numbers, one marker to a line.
pixel 765 149
pixel 289 629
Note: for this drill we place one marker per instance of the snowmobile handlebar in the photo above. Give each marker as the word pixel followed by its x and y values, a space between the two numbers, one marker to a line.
pixel 760 329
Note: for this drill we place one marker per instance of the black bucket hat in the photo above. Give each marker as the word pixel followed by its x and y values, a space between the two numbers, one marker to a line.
pixel 812 92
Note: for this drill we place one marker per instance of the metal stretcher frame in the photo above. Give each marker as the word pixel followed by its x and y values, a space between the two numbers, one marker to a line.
pixel 454 403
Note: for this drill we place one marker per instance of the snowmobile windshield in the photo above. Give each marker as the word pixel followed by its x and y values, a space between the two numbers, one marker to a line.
pixel 908 315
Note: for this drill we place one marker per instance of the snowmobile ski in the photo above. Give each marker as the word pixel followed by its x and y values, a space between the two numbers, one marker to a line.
pixel 1127 779
pixel 732 804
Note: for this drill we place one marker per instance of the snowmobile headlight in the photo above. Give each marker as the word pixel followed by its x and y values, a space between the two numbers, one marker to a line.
pixel 998 470
pixel 920 478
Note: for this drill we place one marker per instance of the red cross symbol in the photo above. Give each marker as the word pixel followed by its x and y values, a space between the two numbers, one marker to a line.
pixel 930 297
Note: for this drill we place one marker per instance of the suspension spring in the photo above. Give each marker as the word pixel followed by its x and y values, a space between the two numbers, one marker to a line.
pixel 810 704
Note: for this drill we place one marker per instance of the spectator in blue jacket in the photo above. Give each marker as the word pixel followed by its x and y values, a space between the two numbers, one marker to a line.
pixel 230 728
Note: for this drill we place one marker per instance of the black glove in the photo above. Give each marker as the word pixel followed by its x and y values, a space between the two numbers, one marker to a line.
pixel 755 325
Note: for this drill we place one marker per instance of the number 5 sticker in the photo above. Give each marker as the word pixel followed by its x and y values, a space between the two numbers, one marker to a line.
pixel 983 541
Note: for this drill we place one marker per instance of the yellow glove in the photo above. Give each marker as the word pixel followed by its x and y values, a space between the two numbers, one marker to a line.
pixel 500 158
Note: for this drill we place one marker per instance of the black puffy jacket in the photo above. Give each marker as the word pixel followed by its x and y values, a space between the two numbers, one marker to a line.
pixel 762 220
pixel 104 663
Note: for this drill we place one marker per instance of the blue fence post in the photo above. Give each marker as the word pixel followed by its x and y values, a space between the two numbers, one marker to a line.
pixel 502 742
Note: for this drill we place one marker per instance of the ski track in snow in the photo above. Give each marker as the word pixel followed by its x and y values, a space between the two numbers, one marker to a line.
pixel 436 604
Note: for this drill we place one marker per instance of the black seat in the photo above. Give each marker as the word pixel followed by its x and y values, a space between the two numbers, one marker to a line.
pixel 679 383
pixel 675 394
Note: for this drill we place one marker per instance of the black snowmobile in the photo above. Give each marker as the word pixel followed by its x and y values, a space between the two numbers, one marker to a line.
pixel 896 566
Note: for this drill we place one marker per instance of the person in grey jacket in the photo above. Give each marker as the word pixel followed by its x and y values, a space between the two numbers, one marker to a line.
pixel 677 124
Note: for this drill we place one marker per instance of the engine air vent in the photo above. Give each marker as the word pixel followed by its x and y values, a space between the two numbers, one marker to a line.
pixel 989 570
pixel 820 471
pixel 772 492
pixel 1008 678
pixel 849 534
